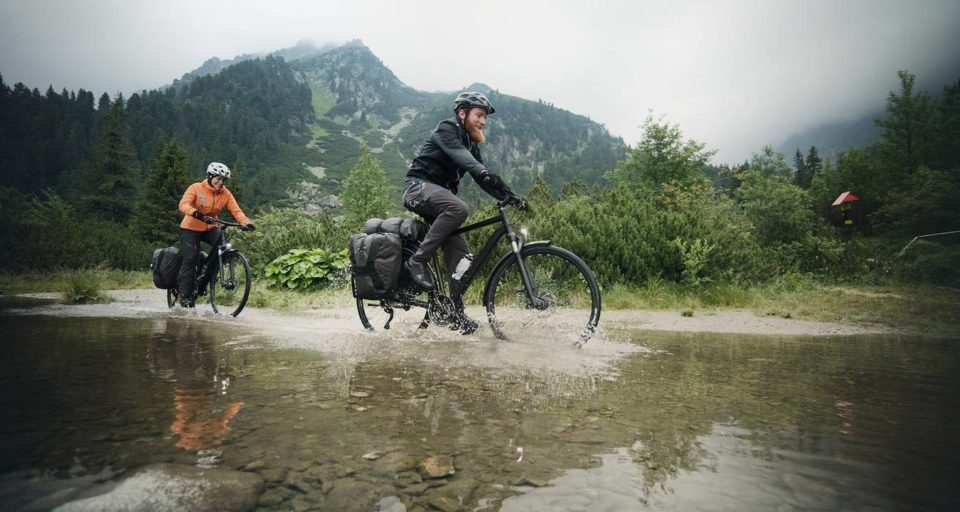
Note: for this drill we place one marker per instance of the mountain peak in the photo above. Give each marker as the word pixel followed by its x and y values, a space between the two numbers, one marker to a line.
pixel 479 87
pixel 354 43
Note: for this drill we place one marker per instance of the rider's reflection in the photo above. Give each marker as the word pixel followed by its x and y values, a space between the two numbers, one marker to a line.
pixel 202 413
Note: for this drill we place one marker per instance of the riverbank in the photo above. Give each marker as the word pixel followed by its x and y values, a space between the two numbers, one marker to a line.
pixel 790 305
pixel 137 302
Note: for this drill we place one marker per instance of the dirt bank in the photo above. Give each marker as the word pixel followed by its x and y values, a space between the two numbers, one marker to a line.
pixel 148 301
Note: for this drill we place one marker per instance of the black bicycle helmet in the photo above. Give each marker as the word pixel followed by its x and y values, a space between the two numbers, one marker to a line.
pixel 472 99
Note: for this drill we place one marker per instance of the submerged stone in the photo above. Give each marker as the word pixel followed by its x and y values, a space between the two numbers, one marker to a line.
pixel 437 466
pixel 159 487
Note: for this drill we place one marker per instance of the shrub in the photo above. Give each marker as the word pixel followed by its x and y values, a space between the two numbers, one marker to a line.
pixel 303 269
pixel 280 231
pixel 930 262
pixel 84 288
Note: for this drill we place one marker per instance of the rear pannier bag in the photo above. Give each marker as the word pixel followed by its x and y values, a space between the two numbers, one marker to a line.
pixel 375 262
pixel 166 266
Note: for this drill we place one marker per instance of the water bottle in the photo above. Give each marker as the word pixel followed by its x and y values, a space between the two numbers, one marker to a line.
pixel 462 267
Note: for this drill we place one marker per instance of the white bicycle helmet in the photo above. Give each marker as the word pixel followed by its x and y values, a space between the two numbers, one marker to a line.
pixel 218 169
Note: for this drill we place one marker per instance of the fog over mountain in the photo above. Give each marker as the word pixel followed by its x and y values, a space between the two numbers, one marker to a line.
pixel 734 75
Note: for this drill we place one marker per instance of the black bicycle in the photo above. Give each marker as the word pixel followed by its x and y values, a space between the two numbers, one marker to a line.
pixel 537 287
pixel 229 288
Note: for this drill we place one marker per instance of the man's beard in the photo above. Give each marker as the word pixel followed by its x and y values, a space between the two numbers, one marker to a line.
pixel 476 133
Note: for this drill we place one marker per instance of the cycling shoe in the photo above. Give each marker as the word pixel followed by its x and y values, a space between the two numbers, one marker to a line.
pixel 420 274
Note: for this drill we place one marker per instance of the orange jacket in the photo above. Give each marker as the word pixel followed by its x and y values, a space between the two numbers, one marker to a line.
pixel 201 196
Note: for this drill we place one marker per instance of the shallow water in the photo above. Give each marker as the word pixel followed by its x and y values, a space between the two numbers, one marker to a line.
pixel 341 420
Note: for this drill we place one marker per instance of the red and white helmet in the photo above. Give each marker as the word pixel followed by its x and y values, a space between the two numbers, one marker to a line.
pixel 218 169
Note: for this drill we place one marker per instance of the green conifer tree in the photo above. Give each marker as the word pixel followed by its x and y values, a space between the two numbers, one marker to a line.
pixel 157 215
pixel 814 163
pixel 908 130
pixel 110 188
pixel 661 156
pixel 366 192
pixel 540 193
pixel 238 181
pixel 801 174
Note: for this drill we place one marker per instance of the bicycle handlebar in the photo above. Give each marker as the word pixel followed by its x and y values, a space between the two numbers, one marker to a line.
pixel 515 201
pixel 226 223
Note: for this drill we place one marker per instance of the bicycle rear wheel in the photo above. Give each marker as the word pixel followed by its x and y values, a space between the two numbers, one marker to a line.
pixel 406 310
pixel 230 288
pixel 390 314
pixel 566 293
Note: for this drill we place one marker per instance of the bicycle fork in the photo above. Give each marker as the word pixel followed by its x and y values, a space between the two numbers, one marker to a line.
pixel 529 287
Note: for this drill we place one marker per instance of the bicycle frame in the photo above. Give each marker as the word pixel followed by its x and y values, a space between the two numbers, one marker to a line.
pixel 517 242
pixel 223 248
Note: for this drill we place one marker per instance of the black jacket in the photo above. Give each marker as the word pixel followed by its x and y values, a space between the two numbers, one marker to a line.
pixel 446 156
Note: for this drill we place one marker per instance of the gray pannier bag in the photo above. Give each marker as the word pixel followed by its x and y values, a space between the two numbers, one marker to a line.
pixel 166 266
pixel 375 264
pixel 410 233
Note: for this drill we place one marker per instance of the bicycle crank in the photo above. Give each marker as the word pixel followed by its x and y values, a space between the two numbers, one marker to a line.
pixel 441 309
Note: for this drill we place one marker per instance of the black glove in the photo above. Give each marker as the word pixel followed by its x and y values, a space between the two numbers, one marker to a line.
pixel 491 181
pixel 519 203
pixel 248 227
pixel 206 218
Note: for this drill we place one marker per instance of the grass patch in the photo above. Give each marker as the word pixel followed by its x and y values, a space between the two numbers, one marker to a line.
pixel 60 280
pixel 318 131
pixel 916 308
pixel 262 296
pixel 321 100
pixel 84 287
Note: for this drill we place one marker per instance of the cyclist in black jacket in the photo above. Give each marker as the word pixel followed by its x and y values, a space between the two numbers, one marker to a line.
pixel 451 151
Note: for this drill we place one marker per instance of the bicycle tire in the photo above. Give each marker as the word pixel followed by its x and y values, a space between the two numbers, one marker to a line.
pixel 375 314
pixel 567 287
pixel 231 286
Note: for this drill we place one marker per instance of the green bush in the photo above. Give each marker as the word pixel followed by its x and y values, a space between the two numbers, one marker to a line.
pixel 303 269
pixel 84 288
pixel 930 262
pixel 48 232
pixel 631 237
pixel 280 231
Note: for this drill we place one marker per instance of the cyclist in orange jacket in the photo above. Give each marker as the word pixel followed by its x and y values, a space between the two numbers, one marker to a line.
pixel 200 205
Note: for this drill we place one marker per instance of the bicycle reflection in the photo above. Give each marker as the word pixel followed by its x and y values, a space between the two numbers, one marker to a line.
pixel 202 413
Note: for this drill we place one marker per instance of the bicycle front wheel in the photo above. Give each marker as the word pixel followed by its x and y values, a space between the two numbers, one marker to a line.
pixel 230 288
pixel 566 298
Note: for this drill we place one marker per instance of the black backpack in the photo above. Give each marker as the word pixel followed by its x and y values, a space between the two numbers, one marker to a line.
pixel 166 266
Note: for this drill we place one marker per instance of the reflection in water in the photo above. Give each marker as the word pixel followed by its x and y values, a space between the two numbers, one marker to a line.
pixel 701 422
pixel 198 423
pixel 202 412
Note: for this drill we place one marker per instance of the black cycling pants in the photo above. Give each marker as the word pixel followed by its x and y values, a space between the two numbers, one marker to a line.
pixel 446 212
pixel 189 248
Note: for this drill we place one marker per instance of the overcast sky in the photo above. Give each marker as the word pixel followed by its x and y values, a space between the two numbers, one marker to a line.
pixel 734 75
